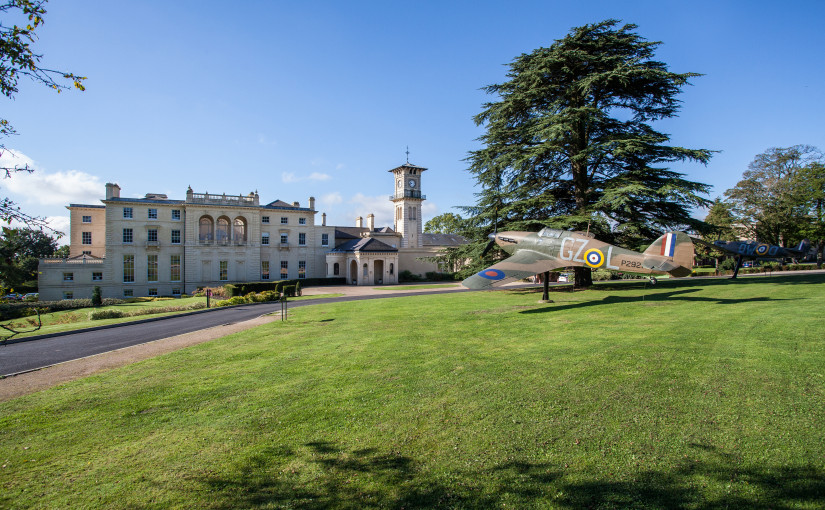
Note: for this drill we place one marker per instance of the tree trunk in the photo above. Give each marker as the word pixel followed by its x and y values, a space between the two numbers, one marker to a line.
pixel 583 278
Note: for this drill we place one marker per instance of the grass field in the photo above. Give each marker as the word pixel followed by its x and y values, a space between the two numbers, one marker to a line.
pixel 70 320
pixel 689 394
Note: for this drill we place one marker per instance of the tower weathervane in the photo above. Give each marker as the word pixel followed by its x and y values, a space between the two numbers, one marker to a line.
pixel 408 153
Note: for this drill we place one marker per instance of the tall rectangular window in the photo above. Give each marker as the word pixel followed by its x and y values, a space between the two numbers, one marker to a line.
pixel 302 239
pixel 97 277
pixel 128 236
pixel 152 268
pixel 87 219
pixel 224 270
pixel 284 270
pixel 324 239
pixel 153 214
pixel 284 239
pixel 264 219
pixel 128 268
pixel 284 220
pixel 302 221
pixel 302 269
pixel 87 237
pixel 68 277
pixel 152 235
pixel 175 214
pixel 264 270
pixel 127 212
pixel 176 237
pixel 265 239
pixel 174 265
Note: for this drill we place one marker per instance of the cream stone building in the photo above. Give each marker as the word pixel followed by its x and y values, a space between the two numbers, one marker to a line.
pixel 156 246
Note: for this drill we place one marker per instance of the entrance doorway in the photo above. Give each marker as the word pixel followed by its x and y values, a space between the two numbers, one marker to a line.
pixel 378 276
pixel 353 272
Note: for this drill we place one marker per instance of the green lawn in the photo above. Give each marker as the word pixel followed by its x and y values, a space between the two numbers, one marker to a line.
pixel 418 286
pixel 70 320
pixel 687 394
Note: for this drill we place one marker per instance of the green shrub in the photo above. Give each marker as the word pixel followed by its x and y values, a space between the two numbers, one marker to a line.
pixel 408 276
pixel 97 299
pixel 600 275
pixel 298 288
pixel 289 290
pixel 96 315
pixel 270 295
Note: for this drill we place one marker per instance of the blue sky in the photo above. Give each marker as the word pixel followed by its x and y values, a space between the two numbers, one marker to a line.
pixel 299 99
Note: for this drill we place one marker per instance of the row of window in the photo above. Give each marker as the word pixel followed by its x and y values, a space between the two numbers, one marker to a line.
pixel 174 265
pixel 97 276
pixel 152 237
pixel 152 214
pixel 129 293
pixel 284 220
pixel 336 269
pixel 151 268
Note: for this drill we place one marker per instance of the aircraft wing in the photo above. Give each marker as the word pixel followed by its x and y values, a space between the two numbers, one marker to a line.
pixel 696 240
pixel 522 264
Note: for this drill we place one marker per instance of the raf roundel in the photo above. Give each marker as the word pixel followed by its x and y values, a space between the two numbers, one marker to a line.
pixel 492 274
pixel 593 257
pixel 762 249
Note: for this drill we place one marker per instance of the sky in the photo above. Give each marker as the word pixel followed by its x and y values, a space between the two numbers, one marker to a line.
pixel 299 99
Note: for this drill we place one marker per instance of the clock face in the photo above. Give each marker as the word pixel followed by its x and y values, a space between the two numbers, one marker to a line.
pixel 411 183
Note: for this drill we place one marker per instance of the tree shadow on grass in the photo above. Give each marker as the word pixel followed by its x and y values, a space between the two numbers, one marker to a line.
pixel 652 297
pixel 322 475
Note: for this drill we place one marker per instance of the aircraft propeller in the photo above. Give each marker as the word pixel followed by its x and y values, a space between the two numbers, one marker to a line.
pixel 492 238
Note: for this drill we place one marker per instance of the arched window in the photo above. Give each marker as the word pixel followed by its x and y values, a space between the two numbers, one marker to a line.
pixel 222 232
pixel 336 269
pixel 392 268
pixel 366 270
pixel 239 231
pixel 205 229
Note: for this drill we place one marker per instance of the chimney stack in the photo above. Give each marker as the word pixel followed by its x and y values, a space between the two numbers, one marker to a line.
pixel 312 203
pixel 371 222
pixel 112 191
pixel 323 219
pixel 359 222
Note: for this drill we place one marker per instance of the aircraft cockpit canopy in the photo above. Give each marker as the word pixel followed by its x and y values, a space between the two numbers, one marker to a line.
pixel 551 232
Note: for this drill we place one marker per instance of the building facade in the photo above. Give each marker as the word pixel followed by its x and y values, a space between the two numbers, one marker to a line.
pixel 156 246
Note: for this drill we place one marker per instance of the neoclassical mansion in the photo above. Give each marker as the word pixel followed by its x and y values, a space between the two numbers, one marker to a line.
pixel 156 246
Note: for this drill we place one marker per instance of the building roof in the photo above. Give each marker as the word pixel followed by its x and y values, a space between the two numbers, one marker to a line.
pixel 280 204
pixel 366 244
pixel 409 166
pixel 442 240
pixel 144 201
pixel 87 206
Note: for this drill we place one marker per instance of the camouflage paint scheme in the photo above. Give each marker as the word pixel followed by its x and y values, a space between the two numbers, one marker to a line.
pixel 536 252
pixel 755 249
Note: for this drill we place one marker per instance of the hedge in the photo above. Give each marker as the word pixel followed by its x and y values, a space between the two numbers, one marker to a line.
pixel 25 309
pixel 242 289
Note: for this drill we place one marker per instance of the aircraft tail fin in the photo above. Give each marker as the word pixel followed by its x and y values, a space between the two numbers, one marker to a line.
pixel 804 246
pixel 677 249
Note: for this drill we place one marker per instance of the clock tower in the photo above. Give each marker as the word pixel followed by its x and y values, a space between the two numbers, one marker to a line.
pixel 407 200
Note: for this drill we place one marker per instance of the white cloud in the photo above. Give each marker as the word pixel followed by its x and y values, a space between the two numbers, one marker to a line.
pixel 317 176
pixel 289 177
pixel 57 188
pixel 331 199
pixel 60 224
pixel 380 206
pixel 340 166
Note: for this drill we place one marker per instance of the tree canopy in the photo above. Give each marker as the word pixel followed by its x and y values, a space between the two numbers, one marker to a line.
pixel 20 250
pixel 569 143
pixel 447 223
pixel 18 32
pixel 781 197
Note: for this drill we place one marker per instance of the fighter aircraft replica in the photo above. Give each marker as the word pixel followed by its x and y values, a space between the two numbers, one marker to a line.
pixel 536 252
pixel 755 250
